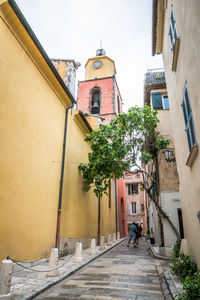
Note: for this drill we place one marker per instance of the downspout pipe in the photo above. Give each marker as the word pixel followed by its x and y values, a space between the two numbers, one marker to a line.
pixel 99 219
pixel 61 179
pixel 116 205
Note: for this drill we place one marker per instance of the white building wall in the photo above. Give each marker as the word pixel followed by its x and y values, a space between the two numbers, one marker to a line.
pixel 170 203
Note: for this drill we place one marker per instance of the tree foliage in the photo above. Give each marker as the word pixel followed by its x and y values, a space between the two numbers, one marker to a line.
pixel 117 147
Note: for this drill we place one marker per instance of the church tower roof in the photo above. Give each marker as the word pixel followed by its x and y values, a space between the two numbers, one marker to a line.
pixel 100 66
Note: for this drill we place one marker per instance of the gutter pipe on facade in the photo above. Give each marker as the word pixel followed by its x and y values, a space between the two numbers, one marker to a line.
pixel 99 219
pixel 61 180
pixel 116 205
pixel 154 25
pixel 62 171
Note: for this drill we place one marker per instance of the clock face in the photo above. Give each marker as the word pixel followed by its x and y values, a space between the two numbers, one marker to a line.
pixel 97 64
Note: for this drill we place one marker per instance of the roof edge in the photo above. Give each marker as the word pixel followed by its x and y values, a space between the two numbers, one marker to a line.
pixel 154 25
pixel 81 114
pixel 35 40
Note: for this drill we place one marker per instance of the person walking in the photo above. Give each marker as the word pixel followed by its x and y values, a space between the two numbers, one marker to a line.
pixel 132 234
pixel 138 234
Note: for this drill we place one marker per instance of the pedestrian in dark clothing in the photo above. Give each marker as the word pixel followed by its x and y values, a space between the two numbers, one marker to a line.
pixel 132 234
pixel 136 242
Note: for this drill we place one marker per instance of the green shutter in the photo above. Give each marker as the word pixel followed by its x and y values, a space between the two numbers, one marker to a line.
pixel 157 101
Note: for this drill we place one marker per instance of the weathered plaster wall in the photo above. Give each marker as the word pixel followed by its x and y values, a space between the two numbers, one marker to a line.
pixel 170 203
pixel 188 68
pixel 31 137
pixel 67 71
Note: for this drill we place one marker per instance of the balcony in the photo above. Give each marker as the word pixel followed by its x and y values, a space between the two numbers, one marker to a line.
pixel 154 77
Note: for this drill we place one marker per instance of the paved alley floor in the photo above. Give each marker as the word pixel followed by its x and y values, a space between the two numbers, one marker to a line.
pixel 121 273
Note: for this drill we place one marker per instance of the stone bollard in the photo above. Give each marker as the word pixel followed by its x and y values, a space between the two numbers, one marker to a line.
pixel 93 246
pixel 78 252
pixel 102 243
pixel 114 237
pixel 5 279
pixel 118 236
pixel 53 263
pixel 109 243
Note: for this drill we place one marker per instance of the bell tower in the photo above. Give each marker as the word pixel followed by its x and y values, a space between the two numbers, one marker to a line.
pixel 99 66
pixel 99 94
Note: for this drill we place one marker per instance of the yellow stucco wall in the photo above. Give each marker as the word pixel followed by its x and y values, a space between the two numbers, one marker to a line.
pixel 32 113
pixel 80 208
pixel 188 68
pixel 107 68
pixel 31 136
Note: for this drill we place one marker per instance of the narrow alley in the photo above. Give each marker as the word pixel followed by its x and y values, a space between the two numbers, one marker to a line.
pixel 122 273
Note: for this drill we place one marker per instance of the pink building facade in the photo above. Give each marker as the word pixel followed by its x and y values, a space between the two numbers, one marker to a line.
pixel 108 97
pixel 135 200
pixel 122 209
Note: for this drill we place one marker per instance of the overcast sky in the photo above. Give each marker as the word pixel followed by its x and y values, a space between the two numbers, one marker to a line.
pixel 72 29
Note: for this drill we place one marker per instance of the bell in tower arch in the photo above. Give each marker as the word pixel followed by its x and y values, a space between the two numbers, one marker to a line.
pixel 95 109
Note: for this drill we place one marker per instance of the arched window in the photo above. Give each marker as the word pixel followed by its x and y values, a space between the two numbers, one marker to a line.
pixel 95 103
pixel 122 205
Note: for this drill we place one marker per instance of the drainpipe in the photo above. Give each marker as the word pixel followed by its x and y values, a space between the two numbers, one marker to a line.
pixel 116 205
pixel 99 219
pixel 61 180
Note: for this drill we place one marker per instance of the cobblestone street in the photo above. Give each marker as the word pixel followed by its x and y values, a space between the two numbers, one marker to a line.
pixel 122 273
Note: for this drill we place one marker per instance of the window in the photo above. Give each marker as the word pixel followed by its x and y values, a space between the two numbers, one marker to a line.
pixel 172 30
pixel 189 124
pixel 95 103
pixel 160 101
pixel 133 206
pixel 132 189
pixel 122 205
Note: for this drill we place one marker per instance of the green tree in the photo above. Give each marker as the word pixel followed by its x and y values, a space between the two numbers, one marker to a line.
pixel 129 139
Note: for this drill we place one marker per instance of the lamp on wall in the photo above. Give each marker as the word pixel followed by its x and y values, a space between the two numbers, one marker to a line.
pixel 169 155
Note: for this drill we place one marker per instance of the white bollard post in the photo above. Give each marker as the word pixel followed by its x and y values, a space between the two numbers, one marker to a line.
pixel 78 252
pixel 53 263
pixel 5 279
pixel 118 236
pixel 109 243
pixel 114 237
pixel 102 243
pixel 93 246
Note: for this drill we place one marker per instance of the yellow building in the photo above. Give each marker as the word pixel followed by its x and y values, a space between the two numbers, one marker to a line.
pixel 33 105
pixel 79 219
pixel 176 35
